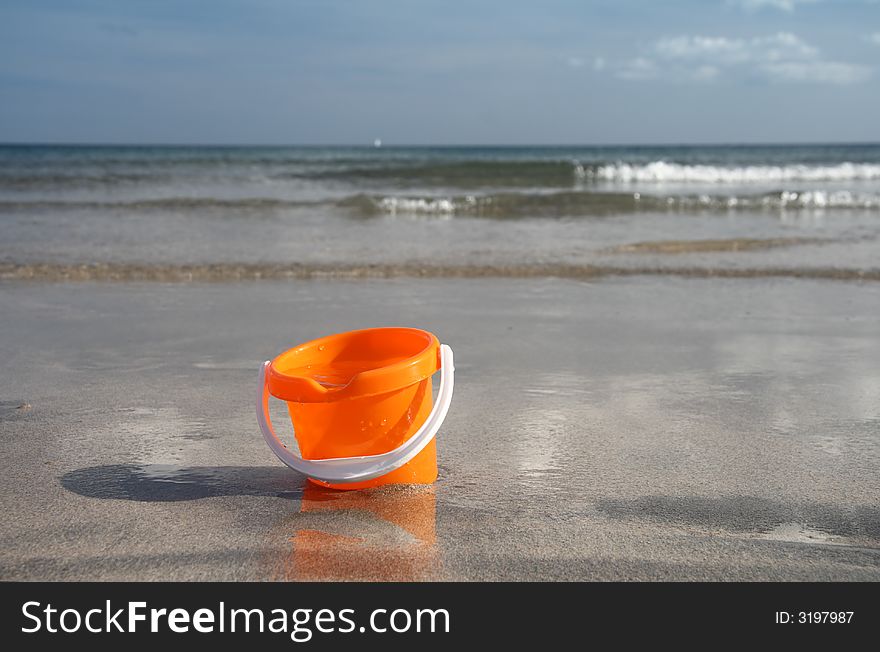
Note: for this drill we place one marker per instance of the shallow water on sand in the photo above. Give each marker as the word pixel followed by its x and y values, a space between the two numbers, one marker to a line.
pixel 635 428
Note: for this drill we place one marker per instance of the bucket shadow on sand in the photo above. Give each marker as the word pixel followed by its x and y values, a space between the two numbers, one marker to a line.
pixel 169 483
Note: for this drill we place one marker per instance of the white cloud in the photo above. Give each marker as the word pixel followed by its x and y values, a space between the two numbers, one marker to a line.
pixel 782 5
pixel 779 57
pixel 874 38
pixel 784 45
pixel 823 72
pixel 599 63
pixel 690 47
pixel 575 62
pixel 778 47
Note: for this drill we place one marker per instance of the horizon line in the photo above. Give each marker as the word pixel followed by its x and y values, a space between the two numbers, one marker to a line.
pixel 367 145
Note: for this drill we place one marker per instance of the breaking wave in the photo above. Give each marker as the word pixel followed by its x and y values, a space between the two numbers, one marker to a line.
pixel 662 172
pixel 581 203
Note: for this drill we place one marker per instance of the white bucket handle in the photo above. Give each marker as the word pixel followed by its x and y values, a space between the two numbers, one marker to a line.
pixel 363 467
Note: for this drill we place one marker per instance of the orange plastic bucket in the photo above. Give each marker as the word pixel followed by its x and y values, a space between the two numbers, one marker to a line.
pixel 361 406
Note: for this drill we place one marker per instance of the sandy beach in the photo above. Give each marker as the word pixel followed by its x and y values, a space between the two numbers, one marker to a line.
pixel 616 428
pixel 603 277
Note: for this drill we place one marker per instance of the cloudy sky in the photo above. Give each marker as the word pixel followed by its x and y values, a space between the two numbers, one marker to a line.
pixel 444 72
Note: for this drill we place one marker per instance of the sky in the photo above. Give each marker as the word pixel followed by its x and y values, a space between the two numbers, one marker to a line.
pixel 439 72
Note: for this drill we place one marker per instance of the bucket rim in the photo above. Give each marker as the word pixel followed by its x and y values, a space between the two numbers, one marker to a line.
pixel 301 388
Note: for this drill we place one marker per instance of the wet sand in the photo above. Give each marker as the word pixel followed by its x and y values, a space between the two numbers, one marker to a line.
pixel 222 272
pixel 616 427
pixel 697 246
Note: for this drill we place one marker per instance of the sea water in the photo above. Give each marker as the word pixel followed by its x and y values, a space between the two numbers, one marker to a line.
pixel 439 209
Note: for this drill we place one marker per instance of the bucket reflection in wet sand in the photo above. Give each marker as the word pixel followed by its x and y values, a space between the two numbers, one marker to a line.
pixel 382 534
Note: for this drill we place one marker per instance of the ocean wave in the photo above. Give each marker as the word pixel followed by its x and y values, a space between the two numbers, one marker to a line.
pixel 823 198
pixel 582 203
pixel 555 173
pixel 550 174
pixel 663 171
pixel 497 205
pixel 570 203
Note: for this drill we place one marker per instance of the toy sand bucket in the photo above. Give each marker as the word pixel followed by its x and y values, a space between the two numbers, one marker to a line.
pixel 361 406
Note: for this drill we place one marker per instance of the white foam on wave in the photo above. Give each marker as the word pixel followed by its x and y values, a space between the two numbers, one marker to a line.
pixel 822 199
pixel 587 203
pixel 421 205
pixel 662 171
pixel 784 199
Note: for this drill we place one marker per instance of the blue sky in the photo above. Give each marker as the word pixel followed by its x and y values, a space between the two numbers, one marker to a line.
pixel 439 72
